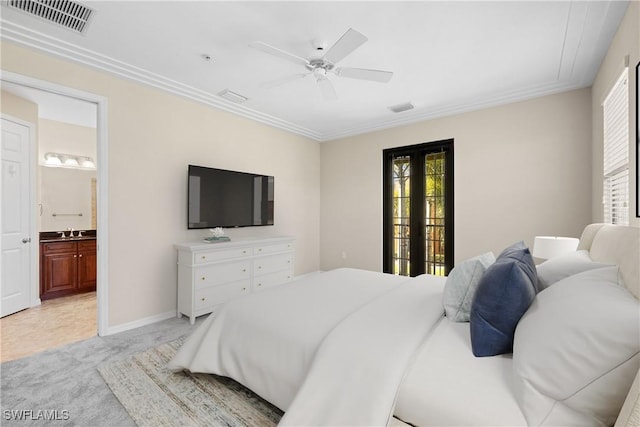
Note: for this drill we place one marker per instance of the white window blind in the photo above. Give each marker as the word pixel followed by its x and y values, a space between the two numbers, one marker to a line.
pixel 616 153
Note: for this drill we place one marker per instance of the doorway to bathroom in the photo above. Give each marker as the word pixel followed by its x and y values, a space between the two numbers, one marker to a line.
pixel 68 204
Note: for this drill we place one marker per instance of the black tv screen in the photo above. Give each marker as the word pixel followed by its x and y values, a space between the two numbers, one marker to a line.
pixel 224 198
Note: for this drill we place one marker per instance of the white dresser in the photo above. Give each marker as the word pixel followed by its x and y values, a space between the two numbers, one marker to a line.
pixel 212 273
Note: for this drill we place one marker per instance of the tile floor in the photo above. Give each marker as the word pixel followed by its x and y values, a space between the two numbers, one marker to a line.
pixel 54 323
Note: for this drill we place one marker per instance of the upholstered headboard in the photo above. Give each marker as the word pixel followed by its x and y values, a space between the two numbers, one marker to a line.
pixel 615 244
pixel 620 245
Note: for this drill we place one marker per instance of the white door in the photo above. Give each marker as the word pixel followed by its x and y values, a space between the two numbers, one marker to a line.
pixel 15 218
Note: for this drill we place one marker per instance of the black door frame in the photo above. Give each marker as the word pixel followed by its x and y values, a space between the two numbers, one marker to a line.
pixel 417 227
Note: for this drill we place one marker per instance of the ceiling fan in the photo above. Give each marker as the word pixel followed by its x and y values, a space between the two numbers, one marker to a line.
pixel 321 67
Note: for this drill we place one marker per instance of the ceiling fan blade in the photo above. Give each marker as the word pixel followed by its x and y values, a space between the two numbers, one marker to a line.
pixel 279 53
pixel 364 74
pixel 349 42
pixel 327 89
pixel 279 82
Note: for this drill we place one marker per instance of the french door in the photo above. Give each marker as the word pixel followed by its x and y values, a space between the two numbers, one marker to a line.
pixel 418 209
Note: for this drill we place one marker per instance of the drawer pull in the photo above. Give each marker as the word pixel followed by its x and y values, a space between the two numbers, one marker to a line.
pixel 203 278
pixel 204 257
pixel 202 299
pixel 288 261
pixel 75 256
pixel 244 270
pixel 259 249
pixel 244 289
pixel 259 284
pixel 259 267
pixel 244 252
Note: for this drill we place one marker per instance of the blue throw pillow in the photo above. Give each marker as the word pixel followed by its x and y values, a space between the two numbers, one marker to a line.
pixel 505 292
pixel 520 252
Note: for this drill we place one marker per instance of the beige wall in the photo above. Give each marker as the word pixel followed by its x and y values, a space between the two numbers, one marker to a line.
pixel 19 108
pixel 152 137
pixel 520 170
pixel 625 44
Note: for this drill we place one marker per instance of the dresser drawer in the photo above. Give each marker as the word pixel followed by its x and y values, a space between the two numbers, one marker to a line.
pixel 270 264
pixel 220 255
pixel 221 273
pixel 270 249
pixel 272 279
pixel 214 295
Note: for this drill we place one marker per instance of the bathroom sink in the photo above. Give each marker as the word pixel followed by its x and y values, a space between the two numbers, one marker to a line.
pixel 54 236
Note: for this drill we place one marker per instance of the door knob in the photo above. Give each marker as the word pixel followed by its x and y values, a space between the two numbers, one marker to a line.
pixel 26 240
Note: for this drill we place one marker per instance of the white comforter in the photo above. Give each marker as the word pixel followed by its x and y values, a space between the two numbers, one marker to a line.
pixel 328 350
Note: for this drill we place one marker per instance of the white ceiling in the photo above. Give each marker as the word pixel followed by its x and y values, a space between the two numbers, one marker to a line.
pixel 447 57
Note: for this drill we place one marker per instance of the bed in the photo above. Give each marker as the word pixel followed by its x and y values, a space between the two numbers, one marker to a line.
pixel 353 347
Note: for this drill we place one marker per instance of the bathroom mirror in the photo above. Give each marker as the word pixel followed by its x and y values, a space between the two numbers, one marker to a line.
pixel 67 199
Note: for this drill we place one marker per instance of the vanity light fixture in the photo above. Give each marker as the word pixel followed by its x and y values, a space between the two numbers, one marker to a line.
pixel 71 162
pixel 51 159
pixel 68 161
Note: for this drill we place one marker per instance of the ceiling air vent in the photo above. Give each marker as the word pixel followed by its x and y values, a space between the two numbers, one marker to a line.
pixel 401 107
pixel 69 14
pixel 232 96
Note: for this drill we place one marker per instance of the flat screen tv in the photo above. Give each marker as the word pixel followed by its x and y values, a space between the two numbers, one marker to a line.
pixel 224 198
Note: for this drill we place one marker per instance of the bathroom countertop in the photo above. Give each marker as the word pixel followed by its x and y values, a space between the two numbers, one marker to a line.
pixel 54 236
pixel 66 239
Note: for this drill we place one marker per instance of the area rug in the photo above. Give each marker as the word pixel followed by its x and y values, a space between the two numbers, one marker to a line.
pixel 155 396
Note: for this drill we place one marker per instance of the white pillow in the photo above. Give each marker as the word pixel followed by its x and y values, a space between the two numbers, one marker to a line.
pixel 461 285
pixel 549 272
pixel 576 350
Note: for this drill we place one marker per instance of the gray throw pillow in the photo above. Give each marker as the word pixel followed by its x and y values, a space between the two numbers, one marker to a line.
pixel 461 285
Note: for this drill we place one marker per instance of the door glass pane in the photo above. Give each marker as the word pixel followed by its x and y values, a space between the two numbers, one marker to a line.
pixel 401 215
pixel 434 213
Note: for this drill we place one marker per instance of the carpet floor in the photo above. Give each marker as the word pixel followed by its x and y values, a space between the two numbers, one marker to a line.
pixel 62 386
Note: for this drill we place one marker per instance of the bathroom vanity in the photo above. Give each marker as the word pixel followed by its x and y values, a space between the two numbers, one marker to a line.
pixel 67 264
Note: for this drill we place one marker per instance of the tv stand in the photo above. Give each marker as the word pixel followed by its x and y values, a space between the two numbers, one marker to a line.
pixel 210 274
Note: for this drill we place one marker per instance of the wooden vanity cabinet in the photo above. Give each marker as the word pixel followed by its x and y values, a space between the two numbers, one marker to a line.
pixel 67 268
pixel 87 262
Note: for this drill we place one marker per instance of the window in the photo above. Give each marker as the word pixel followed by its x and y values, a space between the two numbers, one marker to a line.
pixel 616 153
pixel 418 209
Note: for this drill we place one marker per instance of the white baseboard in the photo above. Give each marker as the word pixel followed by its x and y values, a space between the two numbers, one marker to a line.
pixel 140 322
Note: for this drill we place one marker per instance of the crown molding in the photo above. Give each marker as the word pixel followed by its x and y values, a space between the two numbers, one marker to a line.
pixel 565 80
pixel 479 103
pixel 41 42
